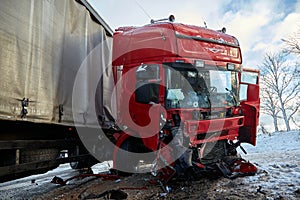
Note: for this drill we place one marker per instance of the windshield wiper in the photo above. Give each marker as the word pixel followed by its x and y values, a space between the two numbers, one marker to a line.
pixel 233 96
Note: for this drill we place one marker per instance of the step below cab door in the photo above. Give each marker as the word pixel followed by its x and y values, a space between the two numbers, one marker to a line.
pixel 249 98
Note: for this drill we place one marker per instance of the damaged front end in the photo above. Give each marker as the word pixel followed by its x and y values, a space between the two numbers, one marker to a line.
pixel 210 159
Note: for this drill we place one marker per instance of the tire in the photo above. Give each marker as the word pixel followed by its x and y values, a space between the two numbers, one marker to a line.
pixel 82 163
pixel 124 161
pixel 77 165
pixel 213 152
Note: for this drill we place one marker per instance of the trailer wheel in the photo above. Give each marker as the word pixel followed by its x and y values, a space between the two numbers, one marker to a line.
pixel 83 164
pixel 77 165
pixel 87 163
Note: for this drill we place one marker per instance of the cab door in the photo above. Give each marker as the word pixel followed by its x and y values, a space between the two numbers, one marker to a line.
pixel 250 104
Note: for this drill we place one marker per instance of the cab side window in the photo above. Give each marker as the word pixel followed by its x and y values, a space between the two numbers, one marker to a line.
pixel 147 86
pixel 247 78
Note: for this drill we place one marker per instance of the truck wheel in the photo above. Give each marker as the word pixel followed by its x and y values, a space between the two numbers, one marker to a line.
pixel 213 152
pixel 126 163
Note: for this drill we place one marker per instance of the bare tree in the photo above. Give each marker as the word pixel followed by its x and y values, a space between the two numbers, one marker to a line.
pixel 263 129
pixel 269 105
pixel 293 43
pixel 295 122
pixel 281 87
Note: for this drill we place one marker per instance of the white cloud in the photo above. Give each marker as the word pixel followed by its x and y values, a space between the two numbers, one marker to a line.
pixel 246 27
pixel 287 27
pixel 297 7
pixel 258 25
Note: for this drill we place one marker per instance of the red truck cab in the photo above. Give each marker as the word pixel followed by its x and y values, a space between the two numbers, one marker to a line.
pixel 175 75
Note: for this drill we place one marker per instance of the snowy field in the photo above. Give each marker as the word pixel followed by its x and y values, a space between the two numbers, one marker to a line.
pixel 277 157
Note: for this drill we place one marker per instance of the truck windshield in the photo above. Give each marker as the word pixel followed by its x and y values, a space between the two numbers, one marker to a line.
pixel 188 87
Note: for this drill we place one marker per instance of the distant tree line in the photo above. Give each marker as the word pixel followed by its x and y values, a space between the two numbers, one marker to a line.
pixel 280 84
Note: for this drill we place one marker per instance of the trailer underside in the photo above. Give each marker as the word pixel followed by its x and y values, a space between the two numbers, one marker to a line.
pixel 28 148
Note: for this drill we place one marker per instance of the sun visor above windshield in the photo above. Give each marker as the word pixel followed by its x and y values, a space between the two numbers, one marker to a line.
pixel 157 41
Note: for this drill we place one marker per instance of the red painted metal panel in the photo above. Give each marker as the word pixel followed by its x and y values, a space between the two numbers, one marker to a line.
pixel 215 125
pixel 147 43
pixel 157 41
pixel 213 139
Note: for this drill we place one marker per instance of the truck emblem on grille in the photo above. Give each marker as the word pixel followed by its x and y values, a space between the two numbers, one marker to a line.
pixel 214 50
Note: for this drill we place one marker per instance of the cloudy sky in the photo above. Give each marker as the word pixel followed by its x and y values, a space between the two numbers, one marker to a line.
pixel 258 25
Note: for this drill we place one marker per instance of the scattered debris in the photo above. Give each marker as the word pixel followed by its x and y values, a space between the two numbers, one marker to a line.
pixel 60 181
pixel 237 168
pixel 163 194
pixel 259 190
pixel 168 189
pixel 133 188
pixel 109 194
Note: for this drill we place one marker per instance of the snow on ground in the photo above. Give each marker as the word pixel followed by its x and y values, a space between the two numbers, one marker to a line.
pixel 280 141
pixel 277 157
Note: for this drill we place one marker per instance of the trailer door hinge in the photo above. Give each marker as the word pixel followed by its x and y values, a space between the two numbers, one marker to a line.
pixel 24 104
